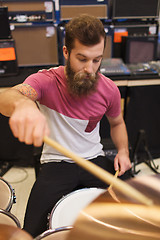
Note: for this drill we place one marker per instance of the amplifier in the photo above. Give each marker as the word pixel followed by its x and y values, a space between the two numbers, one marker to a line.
pixel 140 49
pixel 8 59
pixel 29 11
pixel 36 45
pixel 129 30
pixel 4 24
pixel 68 12
pixel 70 8
pixel 135 9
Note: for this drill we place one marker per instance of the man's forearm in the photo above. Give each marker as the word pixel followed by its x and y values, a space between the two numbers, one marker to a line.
pixel 8 100
pixel 27 123
pixel 120 137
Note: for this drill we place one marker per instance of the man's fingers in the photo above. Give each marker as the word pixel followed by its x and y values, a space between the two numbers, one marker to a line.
pixel 14 127
pixel 38 134
pixel 118 167
pixel 116 164
pixel 29 131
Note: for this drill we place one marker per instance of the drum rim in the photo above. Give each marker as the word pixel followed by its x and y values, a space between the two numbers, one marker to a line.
pixel 66 196
pixel 8 208
pixel 50 231
pixel 13 217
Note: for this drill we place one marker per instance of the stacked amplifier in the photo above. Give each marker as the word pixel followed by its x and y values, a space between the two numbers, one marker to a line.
pixel 70 8
pixel 38 28
pixel 135 29
pixel 8 59
pixel 32 28
pixel 131 26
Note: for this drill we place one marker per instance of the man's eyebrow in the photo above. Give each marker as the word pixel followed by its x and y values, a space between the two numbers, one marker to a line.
pixel 82 55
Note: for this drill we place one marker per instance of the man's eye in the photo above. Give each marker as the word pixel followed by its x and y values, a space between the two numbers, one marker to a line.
pixel 96 60
pixel 82 60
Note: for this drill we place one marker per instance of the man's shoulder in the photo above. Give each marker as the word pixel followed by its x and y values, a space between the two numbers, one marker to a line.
pixel 106 82
pixel 43 78
pixel 51 71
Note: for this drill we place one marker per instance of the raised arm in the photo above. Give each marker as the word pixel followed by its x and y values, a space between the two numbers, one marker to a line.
pixel 120 139
pixel 27 123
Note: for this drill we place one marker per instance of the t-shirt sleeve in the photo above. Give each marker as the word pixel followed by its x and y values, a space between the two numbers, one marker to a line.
pixel 38 81
pixel 114 108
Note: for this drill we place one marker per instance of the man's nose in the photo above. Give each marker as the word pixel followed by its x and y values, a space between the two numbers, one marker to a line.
pixel 88 67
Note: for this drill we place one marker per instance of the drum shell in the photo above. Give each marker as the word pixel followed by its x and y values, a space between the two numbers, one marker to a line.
pixel 7 195
pixel 55 234
pixel 8 219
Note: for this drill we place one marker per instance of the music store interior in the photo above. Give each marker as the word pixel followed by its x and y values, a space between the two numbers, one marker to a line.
pixel 31 38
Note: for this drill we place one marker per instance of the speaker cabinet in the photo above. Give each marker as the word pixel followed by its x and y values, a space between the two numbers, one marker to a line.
pixel 131 30
pixel 29 10
pixel 8 59
pixel 70 11
pixel 72 8
pixel 36 45
pixel 135 9
pixel 4 24
pixel 139 49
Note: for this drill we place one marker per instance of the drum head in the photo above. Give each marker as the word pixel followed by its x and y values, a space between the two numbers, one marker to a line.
pixel 67 209
pixel 56 234
pixel 8 219
pixel 6 199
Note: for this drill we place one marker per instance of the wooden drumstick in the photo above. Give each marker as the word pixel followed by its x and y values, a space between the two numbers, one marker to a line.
pixel 100 173
pixel 116 175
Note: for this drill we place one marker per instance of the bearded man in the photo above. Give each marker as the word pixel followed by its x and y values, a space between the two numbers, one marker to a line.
pixel 67 104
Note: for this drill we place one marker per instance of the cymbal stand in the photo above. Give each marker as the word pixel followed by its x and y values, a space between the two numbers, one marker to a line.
pixel 146 158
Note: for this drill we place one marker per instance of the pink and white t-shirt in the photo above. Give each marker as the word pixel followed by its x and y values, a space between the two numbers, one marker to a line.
pixel 73 121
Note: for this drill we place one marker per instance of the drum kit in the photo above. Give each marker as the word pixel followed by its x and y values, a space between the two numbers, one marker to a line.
pixel 96 214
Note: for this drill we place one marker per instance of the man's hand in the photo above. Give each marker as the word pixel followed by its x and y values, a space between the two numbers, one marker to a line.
pixel 120 139
pixel 27 123
pixel 122 162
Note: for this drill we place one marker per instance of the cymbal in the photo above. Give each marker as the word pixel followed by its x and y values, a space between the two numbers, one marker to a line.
pixel 8 232
pixel 114 216
pixel 115 221
pixel 148 185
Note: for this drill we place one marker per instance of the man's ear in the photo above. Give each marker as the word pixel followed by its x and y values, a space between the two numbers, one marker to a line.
pixel 65 52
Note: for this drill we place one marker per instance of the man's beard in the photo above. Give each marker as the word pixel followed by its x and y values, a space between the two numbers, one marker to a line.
pixel 80 83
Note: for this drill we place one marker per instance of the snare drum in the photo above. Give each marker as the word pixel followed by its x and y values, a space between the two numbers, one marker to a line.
pixel 7 195
pixel 56 234
pixel 8 218
pixel 68 207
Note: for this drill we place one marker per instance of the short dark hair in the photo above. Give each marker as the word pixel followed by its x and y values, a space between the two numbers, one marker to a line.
pixel 86 28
